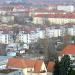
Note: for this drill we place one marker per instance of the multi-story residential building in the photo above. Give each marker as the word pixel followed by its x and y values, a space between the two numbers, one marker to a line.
pixel 28 35
pixel 5 36
pixel 23 36
pixel 53 32
pixel 54 18
pixel 31 35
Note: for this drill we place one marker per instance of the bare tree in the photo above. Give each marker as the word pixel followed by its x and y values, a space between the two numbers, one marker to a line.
pixel 47 46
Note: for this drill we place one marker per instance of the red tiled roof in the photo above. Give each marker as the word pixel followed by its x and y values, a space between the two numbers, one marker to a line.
pixel 38 65
pixel 50 66
pixel 34 63
pixel 67 15
pixel 30 63
pixel 16 63
pixel 21 63
pixel 70 49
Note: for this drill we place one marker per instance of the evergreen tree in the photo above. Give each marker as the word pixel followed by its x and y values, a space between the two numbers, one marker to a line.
pixel 64 65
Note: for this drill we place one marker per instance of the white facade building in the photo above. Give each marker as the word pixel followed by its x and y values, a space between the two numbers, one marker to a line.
pixel 23 37
pixel 67 8
pixel 52 32
pixel 5 38
pixel 33 36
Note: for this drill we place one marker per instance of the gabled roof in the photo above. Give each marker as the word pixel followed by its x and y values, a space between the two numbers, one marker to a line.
pixel 38 65
pixel 21 63
pixel 50 66
pixel 30 63
pixel 70 49
pixel 16 63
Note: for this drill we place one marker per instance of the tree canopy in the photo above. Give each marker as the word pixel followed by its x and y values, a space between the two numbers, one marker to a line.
pixel 63 67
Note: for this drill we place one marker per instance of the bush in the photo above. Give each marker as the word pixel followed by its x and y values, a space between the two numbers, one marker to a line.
pixel 72 72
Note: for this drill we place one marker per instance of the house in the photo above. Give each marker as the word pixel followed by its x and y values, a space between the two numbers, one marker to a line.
pixel 27 66
pixel 68 50
pixel 11 72
pixel 14 63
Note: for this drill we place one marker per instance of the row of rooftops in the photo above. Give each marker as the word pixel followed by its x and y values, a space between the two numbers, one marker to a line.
pixel 22 63
pixel 25 63
pixel 29 29
pixel 66 15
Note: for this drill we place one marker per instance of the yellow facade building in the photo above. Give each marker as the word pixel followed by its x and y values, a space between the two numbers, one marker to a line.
pixel 54 18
